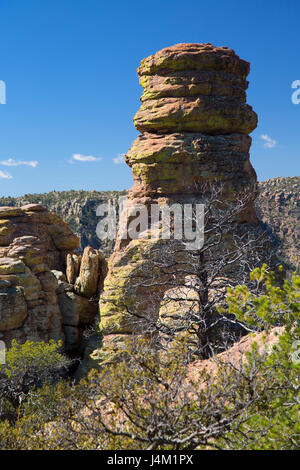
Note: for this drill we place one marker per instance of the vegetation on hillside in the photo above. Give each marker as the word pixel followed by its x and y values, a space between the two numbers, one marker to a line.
pixel 150 401
pixel 26 367
pixel 54 197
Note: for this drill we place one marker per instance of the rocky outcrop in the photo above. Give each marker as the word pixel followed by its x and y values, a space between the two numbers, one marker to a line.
pixel 33 242
pixel 73 266
pixel 36 300
pixel 195 124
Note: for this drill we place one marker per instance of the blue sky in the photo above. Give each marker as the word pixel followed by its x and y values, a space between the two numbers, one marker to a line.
pixel 72 88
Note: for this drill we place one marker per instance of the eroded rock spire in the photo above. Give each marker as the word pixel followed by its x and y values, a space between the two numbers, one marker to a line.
pixel 194 123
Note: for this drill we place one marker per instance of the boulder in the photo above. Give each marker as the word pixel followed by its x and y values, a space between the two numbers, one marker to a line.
pixel 73 266
pixel 87 282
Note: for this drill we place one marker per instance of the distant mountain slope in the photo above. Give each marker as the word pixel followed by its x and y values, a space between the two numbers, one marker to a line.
pixel 77 208
pixel 278 206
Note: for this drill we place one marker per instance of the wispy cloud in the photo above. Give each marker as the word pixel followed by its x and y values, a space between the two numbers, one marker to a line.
pixel 12 162
pixel 77 157
pixel 119 159
pixel 5 175
pixel 268 142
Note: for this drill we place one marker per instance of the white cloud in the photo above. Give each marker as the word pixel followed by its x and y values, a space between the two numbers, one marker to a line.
pixel 77 157
pixel 119 159
pixel 268 142
pixel 12 162
pixel 5 175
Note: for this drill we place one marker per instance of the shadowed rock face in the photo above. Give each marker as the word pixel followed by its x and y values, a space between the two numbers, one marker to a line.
pixel 278 207
pixel 195 123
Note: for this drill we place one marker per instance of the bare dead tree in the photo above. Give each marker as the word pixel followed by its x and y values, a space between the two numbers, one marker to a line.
pixel 150 402
pixel 182 289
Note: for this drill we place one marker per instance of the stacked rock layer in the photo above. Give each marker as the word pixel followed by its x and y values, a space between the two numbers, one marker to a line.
pixel 194 124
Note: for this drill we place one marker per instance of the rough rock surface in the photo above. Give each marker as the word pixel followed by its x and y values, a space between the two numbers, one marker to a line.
pixel 195 124
pixel 33 242
pixel 36 301
pixel 194 88
pixel 170 164
pixel 73 266
pixel 235 355
pixel 87 282
pixel 192 134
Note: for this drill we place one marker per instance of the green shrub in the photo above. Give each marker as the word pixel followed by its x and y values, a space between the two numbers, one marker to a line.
pixel 147 401
pixel 28 366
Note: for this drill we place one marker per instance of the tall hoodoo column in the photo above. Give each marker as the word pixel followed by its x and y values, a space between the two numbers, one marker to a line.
pixel 194 123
